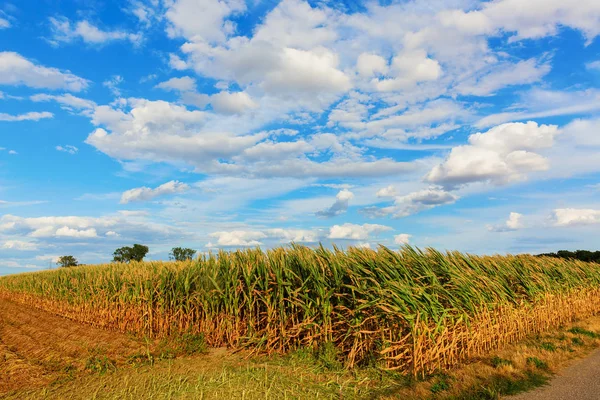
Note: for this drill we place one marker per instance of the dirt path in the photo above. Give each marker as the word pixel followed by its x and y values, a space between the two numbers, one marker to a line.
pixel 579 381
pixel 37 348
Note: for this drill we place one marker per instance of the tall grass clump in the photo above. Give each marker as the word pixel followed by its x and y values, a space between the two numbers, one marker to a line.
pixel 412 310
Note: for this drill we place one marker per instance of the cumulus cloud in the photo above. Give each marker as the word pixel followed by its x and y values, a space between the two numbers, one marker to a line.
pixel 17 70
pixel 513 223
pixel 30 116
pixel 388 191
pixel 65 231
pixel 503 154
pixel 145 193
pixel 575 216
pixel 409 69
pixel 294 235
pixel 369 64
pixel 539 18
pixel 248 238
pixel 183 84
pixel 50 228
pixel 340 205
pixel 237 238
pixel 164 132
pixel 232 103
pixel 205 20
pixel 413 203
pixel 402 239
pixel 65 31
pixel 356 232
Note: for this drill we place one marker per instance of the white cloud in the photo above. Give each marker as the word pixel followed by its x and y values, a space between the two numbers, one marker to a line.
pixel 68 149
pixel 232 103
pixel 285 58
pixel 521 73
pixel 145 13
pixel 111 234
pixel 30 116
pixel 65 31
pixel 4 23
pixel 113 84
pixel 65 231
pixel 369 64
pixel 17 70
pixel 538 18
pixel 294 235
pixel 164 132
pixel 19 245
pixel 161 131
pixel 513 223
pixel 356 232
pixel 593 65
pixel 410 68
pixel 13 152
pixel 402 239
pixel 183 84
pixel 146 193
pixel 388 191
pixel 340 205
pixel 202 20
pixel 55 231
pixel 575 216
pixel 501 155
pixel 237 238
pixel 67 100
pixel 413 203
pixel 540 103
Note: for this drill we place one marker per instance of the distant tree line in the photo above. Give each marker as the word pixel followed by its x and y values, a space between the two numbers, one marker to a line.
pixel 583 255
pixel 127 254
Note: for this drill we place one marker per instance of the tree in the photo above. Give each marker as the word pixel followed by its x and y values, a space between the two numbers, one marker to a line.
pixel 127 254
pixel 181 254
pixel 583 255
pixel 67 261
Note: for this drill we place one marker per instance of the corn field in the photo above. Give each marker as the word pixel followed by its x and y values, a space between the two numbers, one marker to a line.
pixel 417 311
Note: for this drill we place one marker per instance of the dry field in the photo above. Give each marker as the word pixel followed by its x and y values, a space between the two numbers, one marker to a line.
pixel 413 311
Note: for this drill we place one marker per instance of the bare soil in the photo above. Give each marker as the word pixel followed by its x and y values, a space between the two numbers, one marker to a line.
pixel 38 348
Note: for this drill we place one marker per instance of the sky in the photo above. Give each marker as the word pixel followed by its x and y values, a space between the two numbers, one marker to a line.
pixel 224 124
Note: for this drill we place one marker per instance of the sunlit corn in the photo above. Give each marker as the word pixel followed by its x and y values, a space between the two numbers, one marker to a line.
pixel 411 310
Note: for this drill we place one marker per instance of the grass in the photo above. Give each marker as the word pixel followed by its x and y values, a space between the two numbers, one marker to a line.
pixel 310 374
pixel 413 311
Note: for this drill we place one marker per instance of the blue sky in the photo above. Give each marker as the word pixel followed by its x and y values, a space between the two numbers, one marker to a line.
pixel 225 124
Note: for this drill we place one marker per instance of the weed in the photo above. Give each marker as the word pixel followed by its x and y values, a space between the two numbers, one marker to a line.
pixel 497 362
pixel 441 384
pixel 100 364
pixel 577 341
pixel 580 331
pixel 548 346
pixel 539 364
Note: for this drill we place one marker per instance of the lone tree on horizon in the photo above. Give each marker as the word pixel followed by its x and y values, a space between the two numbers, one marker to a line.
pixel 67 261
pixel 181 254
pixel 126 254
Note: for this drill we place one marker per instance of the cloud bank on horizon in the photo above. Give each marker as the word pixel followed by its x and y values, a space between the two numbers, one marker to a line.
pixel 226 124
